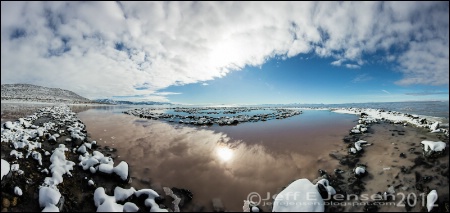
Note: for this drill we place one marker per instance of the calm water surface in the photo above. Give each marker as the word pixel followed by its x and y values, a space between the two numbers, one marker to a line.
pixel 226 162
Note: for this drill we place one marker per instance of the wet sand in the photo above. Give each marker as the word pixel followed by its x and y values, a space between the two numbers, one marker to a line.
pixel 384 166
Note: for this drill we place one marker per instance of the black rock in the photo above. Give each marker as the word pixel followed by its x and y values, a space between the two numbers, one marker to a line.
pixel 430 154
pixel 350 161
pixel 323 191
pixel 419 187
pixel 371 207
pixel 52 140
pixel 338 171
pixel 444 172
pixel 426 179
pixel 419 161
pixel 418 176
pixel 159 200
pixel 336 156
pixel 402 155
pixel 184 194
pixel 322 172
pixel 407 204
pixel 351 138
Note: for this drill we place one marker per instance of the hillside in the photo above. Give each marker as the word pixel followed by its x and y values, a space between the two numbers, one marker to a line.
pixel 33 93
pixel 118 102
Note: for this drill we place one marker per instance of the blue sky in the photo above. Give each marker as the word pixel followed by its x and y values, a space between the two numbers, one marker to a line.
pixel 306 79
pixel 230 52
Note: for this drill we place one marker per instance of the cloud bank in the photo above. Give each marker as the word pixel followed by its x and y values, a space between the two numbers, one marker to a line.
pixel 105 49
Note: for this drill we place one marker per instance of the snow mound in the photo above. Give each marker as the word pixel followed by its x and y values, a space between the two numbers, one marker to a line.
pixel 431 199
pixel 48 198
pixel 5 168
pixel 433 146
pixel 300 196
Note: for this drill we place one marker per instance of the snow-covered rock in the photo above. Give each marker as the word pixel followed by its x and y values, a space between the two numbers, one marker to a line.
pixel 358 144
pixel 106 203
pixel 431 199
pixel 122 170
pixel 434 126
pixel 5 168
pixel 16 153
pixel 82 149
pixel 130 207
pixel 59 166
pixel 374 115
pixel 48 198
pixel 300 196
pixel 150 201
pixel 18 191
pixel 121 194
pixel 15 167
pixel 360 171
pixel 432 149
pixel 91 183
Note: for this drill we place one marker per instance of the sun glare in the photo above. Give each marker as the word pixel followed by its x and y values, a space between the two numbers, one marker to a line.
pixel 224 153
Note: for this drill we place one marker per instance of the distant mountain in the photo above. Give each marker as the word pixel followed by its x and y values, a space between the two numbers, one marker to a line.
pixel 33 93
pixel 109 101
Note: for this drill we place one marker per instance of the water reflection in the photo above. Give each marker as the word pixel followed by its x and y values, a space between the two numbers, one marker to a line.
pixel 209 162
pixel 224 153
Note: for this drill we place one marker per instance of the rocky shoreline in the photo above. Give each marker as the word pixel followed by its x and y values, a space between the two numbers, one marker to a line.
pixel 397 168
pixel 201 116
pixel 48 156
pixel 385 165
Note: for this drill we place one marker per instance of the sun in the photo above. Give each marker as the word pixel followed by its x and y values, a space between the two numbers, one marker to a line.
pixel 224 153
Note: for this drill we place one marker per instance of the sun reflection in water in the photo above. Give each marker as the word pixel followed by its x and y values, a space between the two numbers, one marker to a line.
pixel 224 153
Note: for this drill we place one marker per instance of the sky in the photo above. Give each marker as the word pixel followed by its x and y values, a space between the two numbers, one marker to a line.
pixel 230 52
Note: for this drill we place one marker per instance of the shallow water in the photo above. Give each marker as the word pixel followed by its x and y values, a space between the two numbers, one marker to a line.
pixel 226 162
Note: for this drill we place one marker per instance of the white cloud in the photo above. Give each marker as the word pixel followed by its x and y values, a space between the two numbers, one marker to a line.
pixel 352 66
pixel 337 62
pixel 386 91
pixel 103 49
pixel 205 84
pixel 362 78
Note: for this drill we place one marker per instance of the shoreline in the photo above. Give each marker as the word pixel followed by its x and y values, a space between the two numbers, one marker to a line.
pixel 396 165
pixel 368 151
pixel 52 161
pixel 52 103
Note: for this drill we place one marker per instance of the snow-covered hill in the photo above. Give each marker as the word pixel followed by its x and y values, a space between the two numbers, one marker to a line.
pixel 33 93
pixel 118 102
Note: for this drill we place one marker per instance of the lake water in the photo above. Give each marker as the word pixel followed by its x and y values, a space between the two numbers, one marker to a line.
pixel 226 162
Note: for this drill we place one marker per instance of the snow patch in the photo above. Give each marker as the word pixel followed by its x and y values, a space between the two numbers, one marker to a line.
pixel 14 167
pixel 360 170
pixel 122 170
pixel 48 198
pixel 434 146
pixel 18 191
pixel 431 199
pixel 5 168
pixel 150 201
pixel 307 198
